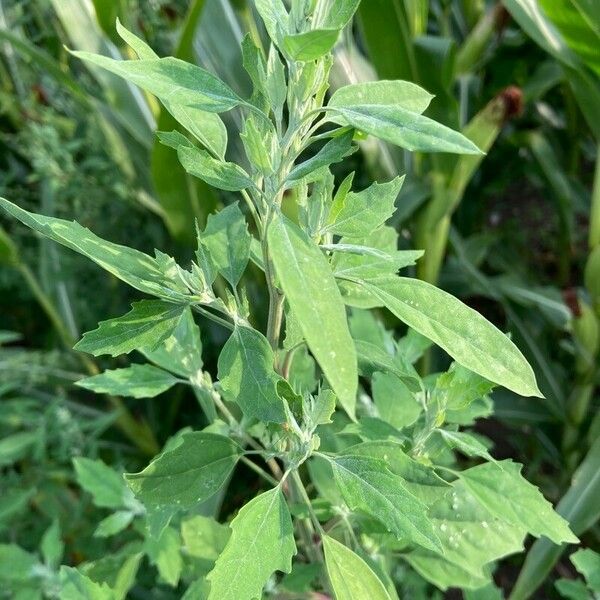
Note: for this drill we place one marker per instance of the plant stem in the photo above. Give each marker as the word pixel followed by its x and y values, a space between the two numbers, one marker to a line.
pixel 259 471
pixel 594 239
pixel 305 526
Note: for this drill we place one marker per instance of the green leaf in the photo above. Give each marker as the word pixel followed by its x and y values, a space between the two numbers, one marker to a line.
pixel 142 49
pixel 361 213
pixel 587 562
pixel 247 376
pixel 315 300
pixel 16 446
pixel 52 546
pixel 260 144
pixel 164 553
pixel 203 537
pixel 190 471
pixel 579 506
pixel 218 173
pixel 471 539
pixel 337 13
pixel 76 586
pixel 573 589
pixel 275 18
pixel 16 564
pixel 395 403
pixel 136 381
pixel 114 523
pixel 262 542
pixel 367 485
pixel 227 241
pixel 181 351
pixel 459 387
pixel 351 578
pixel 468 444
pixel 404 94
pixel 106 486
pixel 461 331
pixel 147 325
pixel 310 45
pixel 403 128
pixel 171 79
pixel 117 569
pixel 333 151
pixel 508 495
pixel 131 266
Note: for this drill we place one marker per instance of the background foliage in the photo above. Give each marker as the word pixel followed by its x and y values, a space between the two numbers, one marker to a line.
pixel 516 234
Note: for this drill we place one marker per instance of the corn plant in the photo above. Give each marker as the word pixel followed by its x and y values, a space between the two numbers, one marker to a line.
pixel 355 450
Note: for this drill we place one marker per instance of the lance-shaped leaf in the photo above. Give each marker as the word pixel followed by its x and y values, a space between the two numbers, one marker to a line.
pixel 408 95
pixel 367 485
pixel 261 542
pixel 247 376
pixel 333 151
pixel 351 577
pixel 136 381
pixel 466 443
pixel 218 173
pixel 508 495
pixel 275 17
pixel 459 387
pixel 171 79
pixel 310 45
pixel 403 128
pixel 395 403
pixel 471 539
pixel 227 241
pixel 359 214
pixel 310 288
pixel 190 471
pixel 148 324
pixel 461 331
pixel 131 266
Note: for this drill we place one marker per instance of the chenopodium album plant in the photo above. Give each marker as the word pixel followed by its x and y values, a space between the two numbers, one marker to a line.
pixel 358 459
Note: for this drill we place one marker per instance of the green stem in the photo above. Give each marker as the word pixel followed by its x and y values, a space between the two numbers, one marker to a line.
pixel 259 471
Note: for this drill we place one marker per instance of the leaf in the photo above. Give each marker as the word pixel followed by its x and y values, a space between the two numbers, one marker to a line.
pixel 204 537
pixel 17 446
pixel 136 381
pixel 131 266
pixel 275 18
pixel 337 13
pixel 114 523
pixel 333 151
pixel 471 539
pixel 227 240
pixel 587 562
pixel 106 486
pixel 171 79
pixel 463 442
pixel 363 212
pixel 142 49
pixel 76 586
pixel 247 376
pixel 218 173
pixel 572 589
pixel 147 325
pixel 404 94
pixel 164 553
pixel 461 331
pixel 351 578
pixel 315 300
pixel 181 351
pixel 459 387
pixel 508 495
pixel 52 546
pixel 189 472
pixel 261 542
pixel 403 128
pixel 16 564
pixel 367 485
pixel 310 45
pixel 395 403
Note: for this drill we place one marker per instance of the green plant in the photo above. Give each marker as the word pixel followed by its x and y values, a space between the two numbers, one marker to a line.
pixel 356 448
